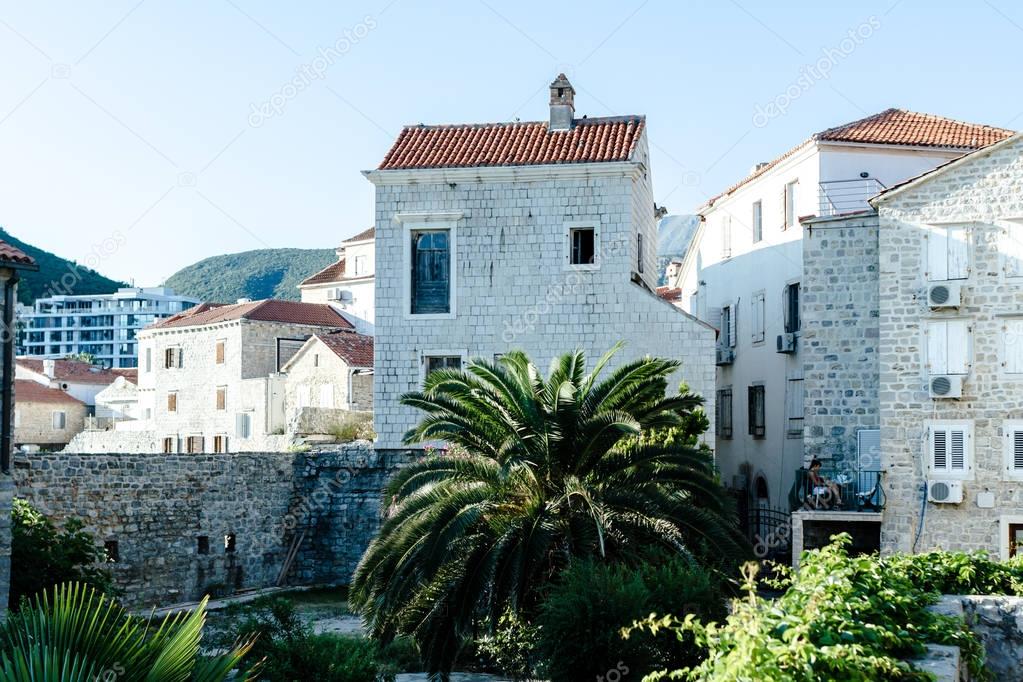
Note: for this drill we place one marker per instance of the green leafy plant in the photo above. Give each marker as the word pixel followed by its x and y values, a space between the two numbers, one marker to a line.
pixel 838 618
pixel 73 633
pixel 43 556
pixel 960 572
pixel 511 649
pixel 353 428
pixel 543 471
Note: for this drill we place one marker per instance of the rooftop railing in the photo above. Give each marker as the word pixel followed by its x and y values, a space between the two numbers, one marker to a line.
pixel 847 196
pixel 835 490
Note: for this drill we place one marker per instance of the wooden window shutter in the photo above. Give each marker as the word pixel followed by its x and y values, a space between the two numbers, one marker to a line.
pixel 221 398
pixel 958 241
pixel 220 352
pixel 939 449
pixel 172 402
pixel 733 324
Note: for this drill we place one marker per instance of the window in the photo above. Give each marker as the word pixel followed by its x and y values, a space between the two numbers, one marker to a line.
pixel 1015 539
pixel 948 252
pixel 726 237
pixel 723 416
pixel 194 444
pixel 788 202
pixel 202 544
pixel 1011 250
pixel 790 301
pixel 1012 338
pixel 582 246
pixel 639 252
pixel 757 313
pixel 757 408
pixel 302 396
pixel 220 351
pixel 172 402
pixel 431 272
pixel 112 551
pixel 316 359
pixel 728 322
pixel 794 407
pixel 758 221
pixel 327 396
pixel 172 357
pixel 950 448
pixel 168 444
pixel 360 266
pixel 221 397
pixel 59 420
pixel 1012 432
pixel 243 425
pixel 219 444
pixel 230 543
pixel 435 362
pixel 948 347
pixel 149 359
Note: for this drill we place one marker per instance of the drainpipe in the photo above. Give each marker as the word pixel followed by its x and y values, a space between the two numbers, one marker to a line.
pixel 7 397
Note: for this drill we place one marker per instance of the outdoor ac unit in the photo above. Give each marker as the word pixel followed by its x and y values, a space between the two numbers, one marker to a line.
pixel 725 356
pixel 787 343
pixel 945 386
pixel 945 295
pixel 945 492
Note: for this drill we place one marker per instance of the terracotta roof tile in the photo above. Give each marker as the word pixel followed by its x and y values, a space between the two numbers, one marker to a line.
pixel 669 294
pixel 26 391
pixel 74 371
pixel 268 310
pixel 12 254
pixel 362 236
pixel 590 140
pixel 354 349
pixel 334 272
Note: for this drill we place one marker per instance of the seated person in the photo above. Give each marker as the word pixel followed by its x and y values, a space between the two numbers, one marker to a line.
pixel 822 487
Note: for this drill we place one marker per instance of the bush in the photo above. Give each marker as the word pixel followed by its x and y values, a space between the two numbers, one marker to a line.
pixel 357 427
pixel 838 618
pixel 582 618
pixel 512 649
pixel 960 572
pixel 42 556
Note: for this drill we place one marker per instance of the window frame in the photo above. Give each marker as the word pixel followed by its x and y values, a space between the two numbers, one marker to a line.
pixel 412 225
pixel 54 414
pixel 928 331
pixel 1011 234
pixel 461 354
pixel 172 401
pixel 1010 338
pixel 724 406
pixel 756 428
pixel 790 215
pixel 1005 525
pixel 758 308
pixel 568 229
pixel 757 219
pixel 726 236
pixel 221 398
pixel 931 231
pixel 190 442
pixel 788 307
pixel 169 445
pixel 220 352
pixel 220 444
pixel 948 473
pixel 639 252
pixel 1010 429
pixel 791 432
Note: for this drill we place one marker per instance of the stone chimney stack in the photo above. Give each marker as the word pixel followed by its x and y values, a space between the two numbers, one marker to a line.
pixel 562 103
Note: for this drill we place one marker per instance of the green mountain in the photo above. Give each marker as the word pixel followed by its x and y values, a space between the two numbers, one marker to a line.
pixel 264 273
pixel 57 275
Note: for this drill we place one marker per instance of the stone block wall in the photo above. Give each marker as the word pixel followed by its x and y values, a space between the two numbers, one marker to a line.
pixel 35 422
pixel 839 346
pixel 186 525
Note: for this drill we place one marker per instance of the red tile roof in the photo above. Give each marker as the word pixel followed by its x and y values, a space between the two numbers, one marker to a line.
pixel 894 127
pixel 12 254
pixel 131 374
pixel 362 236
pixel 514 144
pixel 354 349
pixel 669 294
pixel 335 272
pixel 26 391
pixel 72 371
pixel 268 310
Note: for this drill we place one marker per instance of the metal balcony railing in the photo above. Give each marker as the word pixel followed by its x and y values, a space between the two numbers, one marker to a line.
pixel 846 490
pixel 847 196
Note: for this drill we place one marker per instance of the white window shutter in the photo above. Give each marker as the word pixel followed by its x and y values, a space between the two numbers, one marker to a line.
pixel 957 449
pixel 714 319
pixel 1017 451
pixel 733 324
pixel 958 345
pixel 784 207
pixel 1012 337
pixel 327 396
pixel 757 314
pixel 937 347
pixel 1012 251
pixel 937 254
pixel 180 358
pixel 1014 447
pixel 939 449
pixel 958 252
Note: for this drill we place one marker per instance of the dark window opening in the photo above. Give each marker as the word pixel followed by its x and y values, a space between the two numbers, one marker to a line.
pixel 203 544
pixel 113 552
pixel 792 321
pixel 1015 539
pixel 435 362
pixel 229 543
pixel 757 421
pixel 431 272
pixel 583 246
pixel 168 445
pixel 639 252
pixel 761 488
pixel 723 423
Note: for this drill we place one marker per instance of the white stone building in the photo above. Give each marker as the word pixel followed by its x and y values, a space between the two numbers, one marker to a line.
pixel 82 380
pixel 332 371
pixel 539 236
pixel 749 267
pixel 348 284
pixel 119 401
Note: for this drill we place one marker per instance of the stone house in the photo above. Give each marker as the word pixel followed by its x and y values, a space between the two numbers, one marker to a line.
pixel 750 275
pixel 82 380
pixel 331 372
pixel 46 418
pixel 951 354
pixel 119 401
pixel 539 236
pixel 209 378
pixel 348 284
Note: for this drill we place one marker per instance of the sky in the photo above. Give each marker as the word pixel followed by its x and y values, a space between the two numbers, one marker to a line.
pixel 140 136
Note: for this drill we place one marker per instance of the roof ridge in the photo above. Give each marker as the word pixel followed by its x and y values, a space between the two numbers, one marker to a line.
pixel 581 121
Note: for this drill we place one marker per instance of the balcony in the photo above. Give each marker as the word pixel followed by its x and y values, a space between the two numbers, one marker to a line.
pixel 844 491
pixel 847 196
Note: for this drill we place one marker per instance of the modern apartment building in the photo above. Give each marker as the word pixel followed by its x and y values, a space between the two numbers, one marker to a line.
pixel 101 325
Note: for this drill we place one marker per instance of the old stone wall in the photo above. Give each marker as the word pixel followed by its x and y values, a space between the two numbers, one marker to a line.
pixel 34 422
pixel 839 346
pixel 187 525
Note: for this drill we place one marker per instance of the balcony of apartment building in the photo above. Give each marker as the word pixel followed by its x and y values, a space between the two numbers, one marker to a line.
pixel 850 195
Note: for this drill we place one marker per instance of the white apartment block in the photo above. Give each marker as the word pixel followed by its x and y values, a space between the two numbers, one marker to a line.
pixel 538 236
pixel 348 284
pixel 749 267
pixel 104 326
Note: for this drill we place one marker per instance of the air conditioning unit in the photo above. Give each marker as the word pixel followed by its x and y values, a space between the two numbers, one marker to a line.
pixel 945 386
pixel 725 355
pixel 787 343
pixel 945 492
pixel 342 295
pixel 945 295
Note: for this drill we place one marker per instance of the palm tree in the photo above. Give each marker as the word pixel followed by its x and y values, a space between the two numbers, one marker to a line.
pixel 76 634
pixel 542 471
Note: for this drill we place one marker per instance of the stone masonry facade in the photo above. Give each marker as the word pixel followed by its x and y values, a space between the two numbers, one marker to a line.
pixel 839 349
pixel 984 193
pixel 187 525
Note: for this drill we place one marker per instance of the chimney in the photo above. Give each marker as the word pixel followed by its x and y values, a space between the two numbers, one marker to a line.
pixel 562 103
pixel 49 368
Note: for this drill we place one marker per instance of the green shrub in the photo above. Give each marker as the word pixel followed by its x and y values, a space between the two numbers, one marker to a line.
pixel 512 648
pixel 582 618
pixel 358 427
pixel 42 556
pixel 838 618
pixel 960 572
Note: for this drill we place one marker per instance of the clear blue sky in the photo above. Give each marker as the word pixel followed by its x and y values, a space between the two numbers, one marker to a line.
pixel 132 121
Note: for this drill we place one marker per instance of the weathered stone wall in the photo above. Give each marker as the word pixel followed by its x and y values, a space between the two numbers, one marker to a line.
pixel 985 193
pixel 839 346
pixel 35 422
pixel 998 621
pixel 157 507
